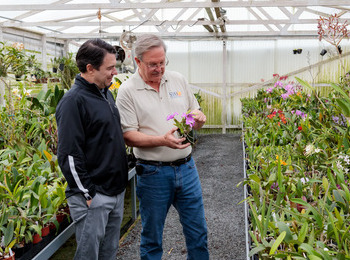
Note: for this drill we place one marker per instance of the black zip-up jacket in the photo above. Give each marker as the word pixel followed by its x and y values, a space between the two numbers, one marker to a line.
pixel 91 149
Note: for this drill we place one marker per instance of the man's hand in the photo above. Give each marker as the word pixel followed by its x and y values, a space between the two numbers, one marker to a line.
pixel 173 142
pixel 199 119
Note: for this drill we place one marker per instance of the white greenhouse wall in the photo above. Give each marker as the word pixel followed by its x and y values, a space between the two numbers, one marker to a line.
pixel 249 63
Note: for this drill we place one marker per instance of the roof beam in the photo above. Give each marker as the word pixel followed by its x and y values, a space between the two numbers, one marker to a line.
pixel 219 16
pixel 264 22
pixel 192 15
pixel 211 17
pixel 243 35
pixel 117 5
pixel 149 22
pixel 268 16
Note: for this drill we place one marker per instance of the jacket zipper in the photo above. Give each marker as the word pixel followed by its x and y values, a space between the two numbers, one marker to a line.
pixel 105 98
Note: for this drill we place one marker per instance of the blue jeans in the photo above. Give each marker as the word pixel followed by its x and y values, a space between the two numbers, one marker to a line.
pixel 158 188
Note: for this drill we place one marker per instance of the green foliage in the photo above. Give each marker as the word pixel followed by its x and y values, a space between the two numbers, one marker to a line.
pixel 32 188
pixel 199 97
pixel 68 72
pixel 298 161
pixel 15 60
pixel 47 102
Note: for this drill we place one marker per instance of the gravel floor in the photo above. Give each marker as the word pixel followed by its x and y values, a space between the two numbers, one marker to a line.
pixel 219 159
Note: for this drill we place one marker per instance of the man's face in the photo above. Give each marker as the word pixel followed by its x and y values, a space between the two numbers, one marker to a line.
pixel 103 77
pixel 152 65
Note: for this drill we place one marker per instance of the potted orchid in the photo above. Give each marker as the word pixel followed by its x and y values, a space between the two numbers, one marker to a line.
pixel 184 125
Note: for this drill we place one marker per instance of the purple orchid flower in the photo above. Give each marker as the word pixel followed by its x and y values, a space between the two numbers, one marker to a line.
pixel 169 117
pixel 189 119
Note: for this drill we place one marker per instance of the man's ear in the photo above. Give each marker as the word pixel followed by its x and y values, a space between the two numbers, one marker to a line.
pixel 89 68
pixel 137 61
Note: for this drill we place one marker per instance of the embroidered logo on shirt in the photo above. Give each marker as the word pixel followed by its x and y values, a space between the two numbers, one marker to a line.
pixel 175 94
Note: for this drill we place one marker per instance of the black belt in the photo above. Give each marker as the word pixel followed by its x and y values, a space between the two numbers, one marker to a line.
pixel 173 163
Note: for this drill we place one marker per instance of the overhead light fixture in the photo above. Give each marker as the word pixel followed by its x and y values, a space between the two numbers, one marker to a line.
pixel 323 52
pixel 222 11
pixel 297 51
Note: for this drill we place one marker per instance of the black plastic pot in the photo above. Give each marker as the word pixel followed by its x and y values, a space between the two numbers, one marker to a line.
pixel 61 67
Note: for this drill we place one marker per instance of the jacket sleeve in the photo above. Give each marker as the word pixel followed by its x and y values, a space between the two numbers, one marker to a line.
pixel 70 116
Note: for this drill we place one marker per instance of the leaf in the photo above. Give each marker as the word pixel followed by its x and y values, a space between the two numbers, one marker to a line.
pixel 255 217
pixel 313 257
pixel 256 250
pixel 306 247
pixel 35 103
pixel 253 237
pixel 338 89
pixel 282 226
pixel 305 84
pixel 277 243
pixel 303 232
pixel 48 155
pixel 47 94
pixel 36 228
pixel 25 160
pixel 254 177
pixel 8 233
pixel 316 215
pixel 267 220
pixel 338 216
pixel 345 235
pixel 335 230
pixel 338 197
pixel 344 105
pixel 300 201
pixel 311 237
pixel 325 183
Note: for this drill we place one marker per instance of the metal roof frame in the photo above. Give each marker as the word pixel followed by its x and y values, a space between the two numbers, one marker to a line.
pixel 181 19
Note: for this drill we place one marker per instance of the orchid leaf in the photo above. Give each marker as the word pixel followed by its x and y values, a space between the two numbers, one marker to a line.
pixel 338 89
pixel 305 84
pixel 277 242
pixel 344 105
pixel 256 250
pixel 303 232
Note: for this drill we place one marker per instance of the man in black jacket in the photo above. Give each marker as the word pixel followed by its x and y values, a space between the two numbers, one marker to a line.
pixel 91 153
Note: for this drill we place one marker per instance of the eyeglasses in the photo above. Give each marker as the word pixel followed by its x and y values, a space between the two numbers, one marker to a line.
pixel 157 65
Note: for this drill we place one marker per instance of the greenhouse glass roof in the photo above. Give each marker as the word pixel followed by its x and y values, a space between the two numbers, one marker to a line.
pixel 187 19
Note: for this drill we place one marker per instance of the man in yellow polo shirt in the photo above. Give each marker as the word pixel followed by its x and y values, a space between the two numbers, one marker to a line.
pixel 167 174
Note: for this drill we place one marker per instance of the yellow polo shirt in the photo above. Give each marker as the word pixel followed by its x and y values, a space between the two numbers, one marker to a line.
pixel 145 110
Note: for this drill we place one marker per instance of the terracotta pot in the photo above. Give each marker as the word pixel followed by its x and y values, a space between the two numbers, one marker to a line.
pixel 60 217
pixel 52 226
pixel 37 238
pixel 66 209
pixel 45 231
pixel 9 257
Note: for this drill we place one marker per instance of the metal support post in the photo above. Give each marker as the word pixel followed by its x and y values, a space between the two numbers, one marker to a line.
pixel 132 178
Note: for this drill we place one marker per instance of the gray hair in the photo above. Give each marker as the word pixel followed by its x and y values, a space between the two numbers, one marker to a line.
pixel 145 42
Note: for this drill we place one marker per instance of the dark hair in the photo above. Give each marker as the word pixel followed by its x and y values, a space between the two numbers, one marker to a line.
pixel 93 52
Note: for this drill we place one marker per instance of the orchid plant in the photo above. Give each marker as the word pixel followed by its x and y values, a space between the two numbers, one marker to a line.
pixel 184 125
